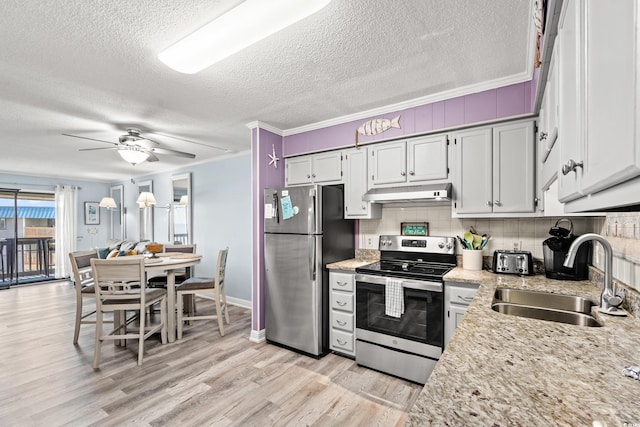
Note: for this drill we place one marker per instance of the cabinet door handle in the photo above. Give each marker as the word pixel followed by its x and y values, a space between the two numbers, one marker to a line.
pixel 403 173
pixel 341 322
pixel 497 203
pixel 341 342
pixel 364 208
pixel 308 176
pixel 342 283
pixel 465 299
pixel 489 203
pixel 313 175
pixel 543 136
pixel 412 173
pixel 571 166
pixel 341 303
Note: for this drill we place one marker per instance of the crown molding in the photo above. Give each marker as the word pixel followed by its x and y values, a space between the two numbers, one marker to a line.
pixel 429 99
pixel 265 126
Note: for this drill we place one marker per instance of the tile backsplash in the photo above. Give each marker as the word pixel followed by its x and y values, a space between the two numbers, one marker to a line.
pixel 622 230
pixel 506 233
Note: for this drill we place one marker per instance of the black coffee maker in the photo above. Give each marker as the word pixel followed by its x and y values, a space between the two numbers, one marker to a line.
pixel 555 250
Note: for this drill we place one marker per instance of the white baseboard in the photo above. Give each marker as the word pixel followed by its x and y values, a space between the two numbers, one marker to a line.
pixel 231 301
pixel 258 336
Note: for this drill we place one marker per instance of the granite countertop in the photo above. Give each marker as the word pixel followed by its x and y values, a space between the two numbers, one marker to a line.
pixel 363 257
pixel 500 369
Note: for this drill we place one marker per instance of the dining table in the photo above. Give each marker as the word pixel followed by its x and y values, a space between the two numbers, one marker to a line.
pixel 169 263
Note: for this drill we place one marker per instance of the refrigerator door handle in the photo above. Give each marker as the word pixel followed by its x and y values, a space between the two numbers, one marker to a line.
pixel 312 258
pixel 276 210
pixel 311 213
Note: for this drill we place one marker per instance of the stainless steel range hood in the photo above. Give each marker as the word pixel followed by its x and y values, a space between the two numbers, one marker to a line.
pixel 421 194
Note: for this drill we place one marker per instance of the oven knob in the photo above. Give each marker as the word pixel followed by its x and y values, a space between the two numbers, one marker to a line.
pixel 441 245
pixel 449 246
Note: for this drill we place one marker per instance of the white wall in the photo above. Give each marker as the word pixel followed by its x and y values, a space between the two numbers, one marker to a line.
pixel 221 197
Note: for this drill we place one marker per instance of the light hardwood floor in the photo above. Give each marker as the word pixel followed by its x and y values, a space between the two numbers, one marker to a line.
pixel 204 379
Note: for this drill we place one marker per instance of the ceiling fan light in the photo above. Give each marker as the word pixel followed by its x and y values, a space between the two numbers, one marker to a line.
pixel 146 199
pixel 133 154
pixel 248 23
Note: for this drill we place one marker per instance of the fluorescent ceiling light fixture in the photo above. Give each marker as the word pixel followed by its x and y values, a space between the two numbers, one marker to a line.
pixel 250 22
pixel 108 202
pixel 133 154
pixel 146 199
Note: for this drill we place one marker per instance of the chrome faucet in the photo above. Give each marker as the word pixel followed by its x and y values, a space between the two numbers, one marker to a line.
pixel 609 302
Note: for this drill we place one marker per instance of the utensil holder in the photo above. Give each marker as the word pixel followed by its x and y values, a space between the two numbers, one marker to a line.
pixel 471 260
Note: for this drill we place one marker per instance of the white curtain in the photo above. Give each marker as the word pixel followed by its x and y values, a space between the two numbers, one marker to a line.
pixel 66 226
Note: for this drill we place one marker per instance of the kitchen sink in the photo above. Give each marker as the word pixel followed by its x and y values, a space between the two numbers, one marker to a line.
pixel 573 310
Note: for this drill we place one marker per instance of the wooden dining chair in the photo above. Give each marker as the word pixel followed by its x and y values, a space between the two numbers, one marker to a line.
pixel 180 276
pixel 83 282
pixel 205 285
pixel 120 286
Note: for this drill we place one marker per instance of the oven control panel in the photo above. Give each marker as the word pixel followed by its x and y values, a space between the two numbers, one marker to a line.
pixel 429 244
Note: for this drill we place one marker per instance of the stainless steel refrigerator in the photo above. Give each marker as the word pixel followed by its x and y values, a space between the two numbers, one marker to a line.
pixel 304 231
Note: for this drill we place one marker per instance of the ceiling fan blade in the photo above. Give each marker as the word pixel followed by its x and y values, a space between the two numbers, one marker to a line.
pixel 90 139
pixel 152 158
pixel 94 149
pixel 150 140
pixel 172 152
pixel 226 150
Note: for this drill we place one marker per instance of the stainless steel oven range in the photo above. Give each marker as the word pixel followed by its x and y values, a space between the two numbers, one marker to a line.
pixel 411 269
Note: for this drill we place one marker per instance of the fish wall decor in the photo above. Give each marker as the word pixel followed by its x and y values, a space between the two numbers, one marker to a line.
pixel 376 126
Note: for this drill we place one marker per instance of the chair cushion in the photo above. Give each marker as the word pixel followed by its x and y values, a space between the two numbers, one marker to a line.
pixel 88 290
pixel 195 283
pixel 162 280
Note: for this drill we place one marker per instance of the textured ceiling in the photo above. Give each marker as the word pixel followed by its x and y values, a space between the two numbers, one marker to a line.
pixel 90 68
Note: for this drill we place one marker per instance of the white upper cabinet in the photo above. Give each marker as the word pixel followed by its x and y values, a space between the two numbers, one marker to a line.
pixel 388 163
pixel 321 168
pixel 355 185
pixel 495 170
pixel 427 158
pixel 411 161
pixel 598 88
pixel 474 171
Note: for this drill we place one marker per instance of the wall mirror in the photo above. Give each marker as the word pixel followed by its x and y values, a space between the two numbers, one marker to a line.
pixel 118 230
pixel 145 214
pixel 180 212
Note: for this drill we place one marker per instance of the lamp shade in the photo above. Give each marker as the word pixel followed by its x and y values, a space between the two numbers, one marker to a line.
pixel 146 199
pixel 133 154
pixel 108 202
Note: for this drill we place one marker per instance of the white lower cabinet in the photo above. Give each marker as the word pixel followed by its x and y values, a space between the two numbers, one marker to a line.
pixel 342 312
pixel 457 297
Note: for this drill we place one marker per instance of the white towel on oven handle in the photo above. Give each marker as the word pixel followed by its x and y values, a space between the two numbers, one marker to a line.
pixel 394 298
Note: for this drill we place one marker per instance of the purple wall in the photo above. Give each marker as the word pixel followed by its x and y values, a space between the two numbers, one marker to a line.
pixel 491 104
pixel 264 176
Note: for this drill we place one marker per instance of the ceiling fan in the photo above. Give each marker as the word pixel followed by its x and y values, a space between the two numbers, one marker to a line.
pixel 135 148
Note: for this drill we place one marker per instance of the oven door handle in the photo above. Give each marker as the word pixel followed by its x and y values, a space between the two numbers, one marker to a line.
pixel 407 284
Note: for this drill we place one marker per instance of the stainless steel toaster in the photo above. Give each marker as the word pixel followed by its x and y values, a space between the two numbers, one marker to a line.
pixel 513 262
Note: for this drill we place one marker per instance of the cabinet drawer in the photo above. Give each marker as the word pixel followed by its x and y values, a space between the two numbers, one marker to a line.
pixel 342 301
pixel 458 295
pixel 342 282
pixel 342 321
pixel 342 340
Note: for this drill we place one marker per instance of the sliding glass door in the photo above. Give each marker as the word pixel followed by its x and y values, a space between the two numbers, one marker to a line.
pixel 27 237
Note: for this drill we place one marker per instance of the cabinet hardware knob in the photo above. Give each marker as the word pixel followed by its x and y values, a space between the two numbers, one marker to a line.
pixel 543 136
pixel 497 203
pixel 364 208
pixel 571 166
pixel 489 203
pixel 341 303
pixel 314 175
pixel 341 342
pixel 308 176
pixel 341 322
pixel 412 173
pixel 403 173
pixel 342 283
